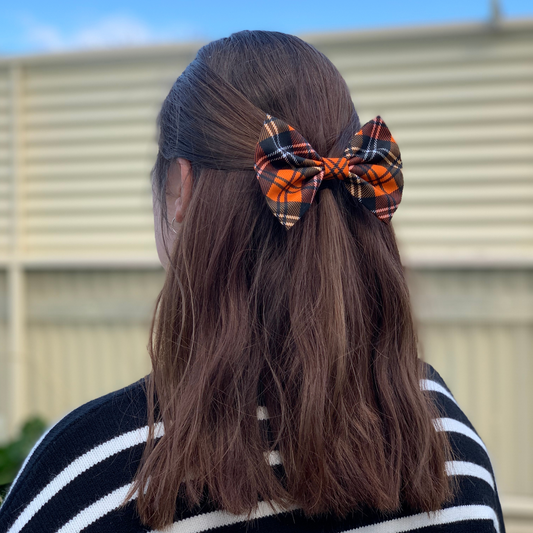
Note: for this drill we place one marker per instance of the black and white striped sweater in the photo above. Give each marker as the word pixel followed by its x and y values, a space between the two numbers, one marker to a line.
pixel 79 472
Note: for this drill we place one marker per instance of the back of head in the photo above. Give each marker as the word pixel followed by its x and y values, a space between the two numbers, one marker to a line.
pixel 313 323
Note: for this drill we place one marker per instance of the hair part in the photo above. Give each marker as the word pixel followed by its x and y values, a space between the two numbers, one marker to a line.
pixel 314 322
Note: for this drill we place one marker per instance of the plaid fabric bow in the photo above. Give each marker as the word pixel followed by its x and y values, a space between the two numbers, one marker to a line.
pixel 290 171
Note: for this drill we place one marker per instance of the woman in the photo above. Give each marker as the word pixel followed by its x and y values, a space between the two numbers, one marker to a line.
pixel 286 393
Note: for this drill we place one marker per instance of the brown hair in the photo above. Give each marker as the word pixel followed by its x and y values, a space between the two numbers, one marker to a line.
pixel 316 319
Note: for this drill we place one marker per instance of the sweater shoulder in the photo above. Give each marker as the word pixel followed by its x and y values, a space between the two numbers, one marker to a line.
pixel 431 374
pixel 470 464
pixel 73 450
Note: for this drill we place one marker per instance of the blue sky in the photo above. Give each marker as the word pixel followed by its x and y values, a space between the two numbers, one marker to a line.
pixel 34 26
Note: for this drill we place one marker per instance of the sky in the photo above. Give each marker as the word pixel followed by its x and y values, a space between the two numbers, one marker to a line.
pixel 35 26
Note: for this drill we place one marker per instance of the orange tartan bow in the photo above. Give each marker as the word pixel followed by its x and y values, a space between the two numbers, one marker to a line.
pixel 290 171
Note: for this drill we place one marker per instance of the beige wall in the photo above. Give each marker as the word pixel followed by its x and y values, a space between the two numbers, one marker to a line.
pixel 78 270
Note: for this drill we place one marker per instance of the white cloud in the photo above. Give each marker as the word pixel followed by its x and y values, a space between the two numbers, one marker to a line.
pixel 113 30
pixel 45 37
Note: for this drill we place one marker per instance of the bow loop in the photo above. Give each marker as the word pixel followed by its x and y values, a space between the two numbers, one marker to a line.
pixel 290 171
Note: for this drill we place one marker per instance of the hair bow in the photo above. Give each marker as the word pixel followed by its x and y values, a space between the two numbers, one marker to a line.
pixel 290 171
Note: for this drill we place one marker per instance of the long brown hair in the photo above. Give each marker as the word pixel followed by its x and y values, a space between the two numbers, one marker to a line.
pixel 316 321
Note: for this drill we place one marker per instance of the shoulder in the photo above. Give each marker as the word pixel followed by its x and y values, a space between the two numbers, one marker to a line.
pixel 452 418
pixel 466 442
pixel 90 452
pixel 470 463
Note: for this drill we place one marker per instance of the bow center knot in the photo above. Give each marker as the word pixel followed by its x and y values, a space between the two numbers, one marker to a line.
pixel 335 167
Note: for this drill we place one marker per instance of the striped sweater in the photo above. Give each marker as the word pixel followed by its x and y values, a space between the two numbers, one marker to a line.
pixel 79 472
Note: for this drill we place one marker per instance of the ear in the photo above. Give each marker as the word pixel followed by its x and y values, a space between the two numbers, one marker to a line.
pixel 185 190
